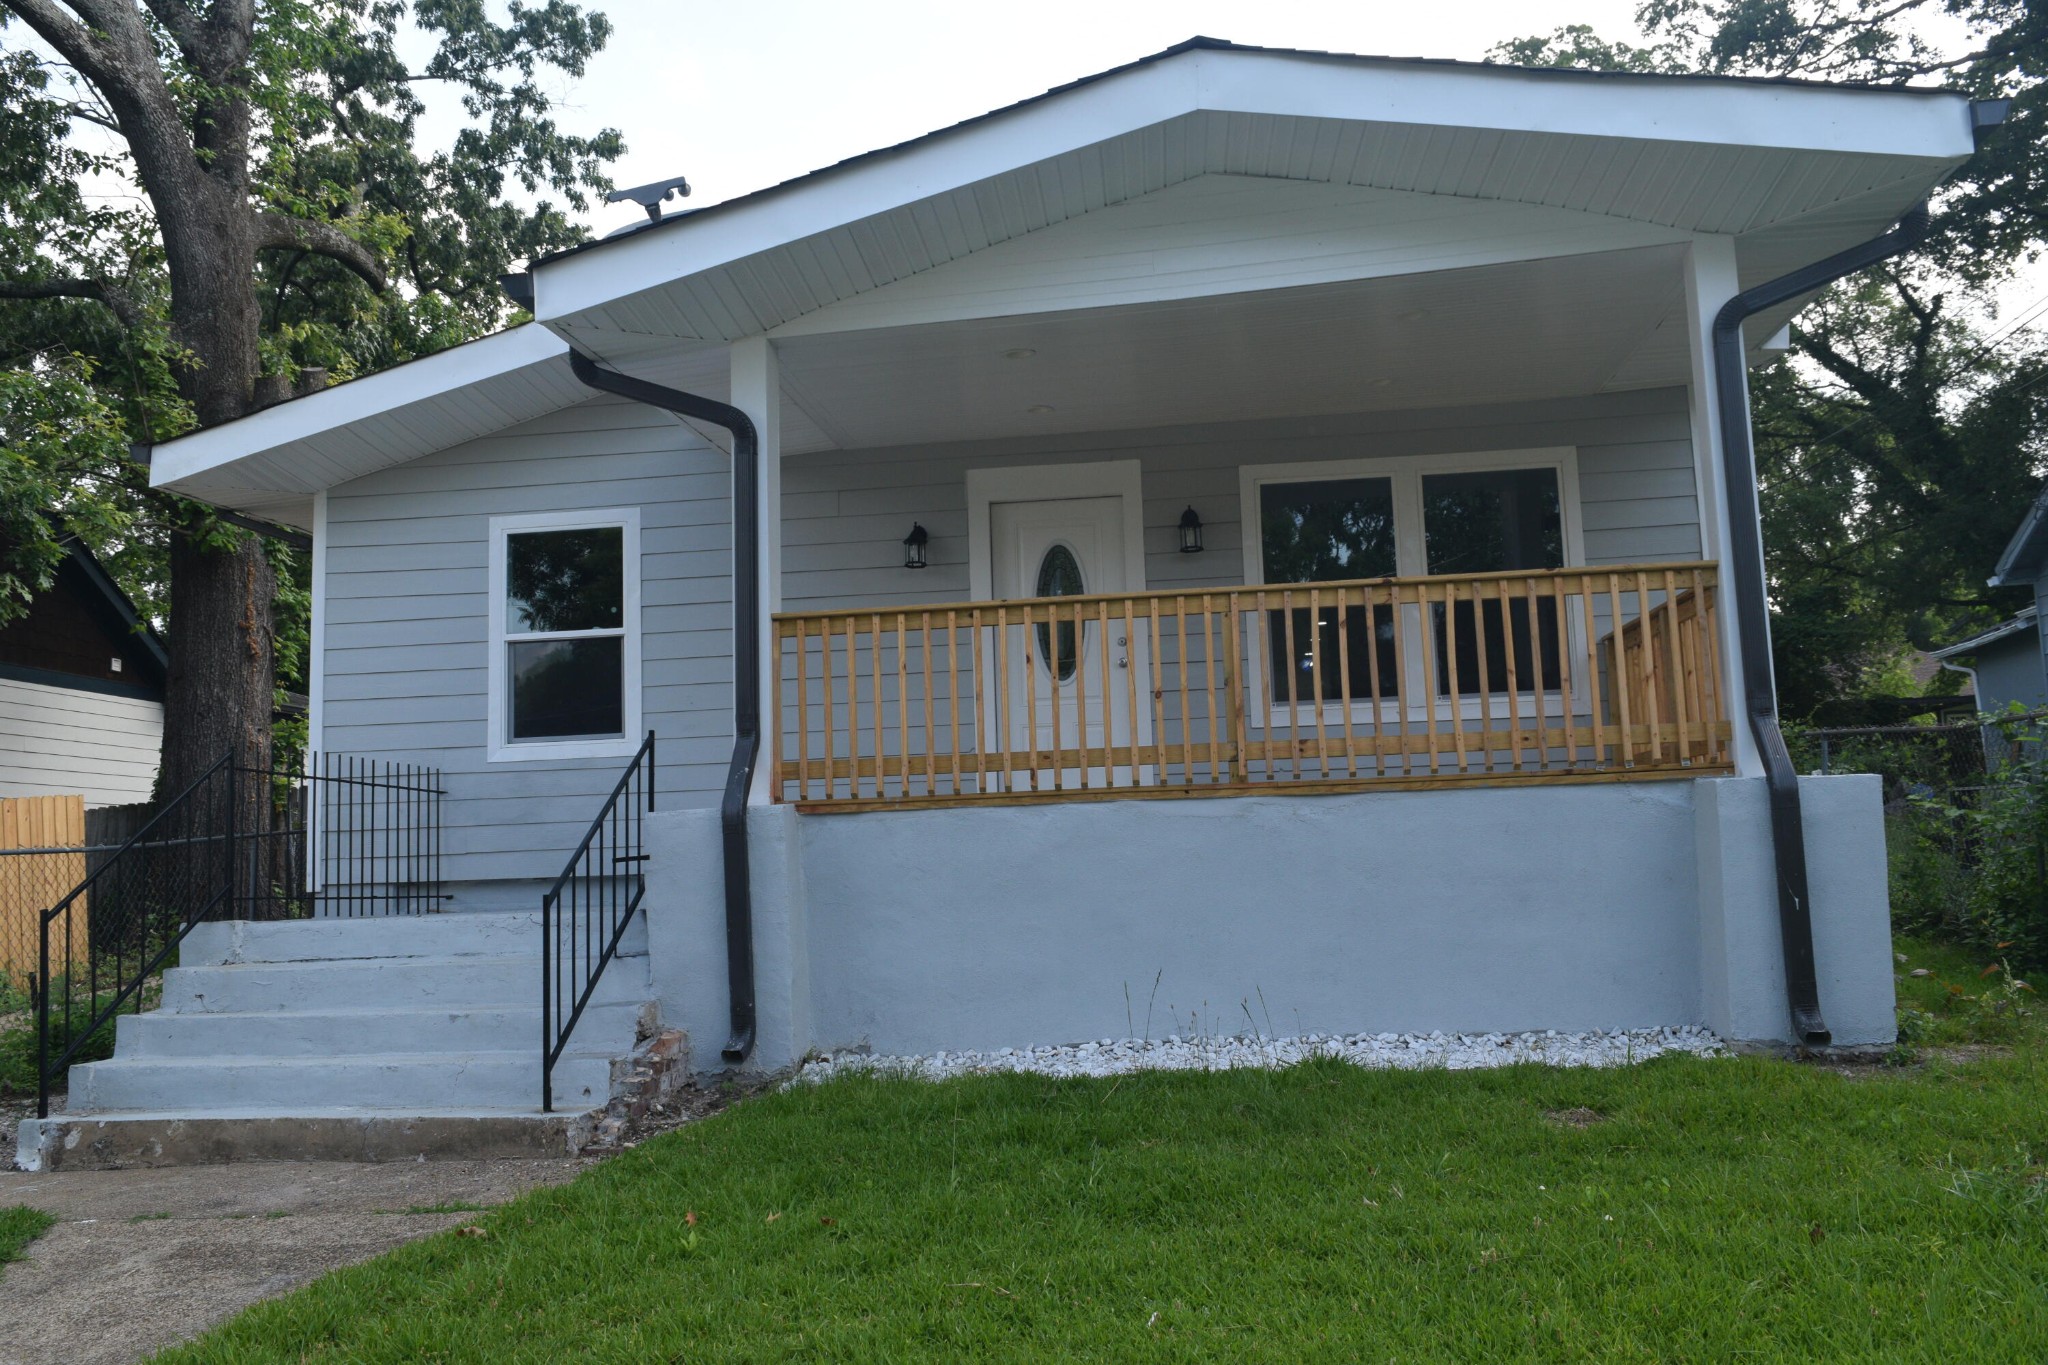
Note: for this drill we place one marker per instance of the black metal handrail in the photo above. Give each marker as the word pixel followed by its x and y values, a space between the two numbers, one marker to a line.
pixel 584 915
pixel 345 836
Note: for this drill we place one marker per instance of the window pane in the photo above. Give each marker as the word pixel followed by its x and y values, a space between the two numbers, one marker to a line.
pixel 1059 575
pixel 1320 532
pixel 565 580
pixel 1490 521
pixel 568 688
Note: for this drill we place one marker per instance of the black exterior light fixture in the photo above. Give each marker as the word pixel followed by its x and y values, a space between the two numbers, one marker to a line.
pixel 913 546
pixel 1190 532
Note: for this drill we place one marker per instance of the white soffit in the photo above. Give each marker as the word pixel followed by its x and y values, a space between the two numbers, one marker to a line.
pixel 1694 155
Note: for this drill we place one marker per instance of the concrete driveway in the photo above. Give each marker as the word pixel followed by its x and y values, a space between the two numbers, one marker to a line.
pixel 143 1258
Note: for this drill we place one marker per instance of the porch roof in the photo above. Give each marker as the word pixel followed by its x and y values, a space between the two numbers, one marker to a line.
pixel 921 246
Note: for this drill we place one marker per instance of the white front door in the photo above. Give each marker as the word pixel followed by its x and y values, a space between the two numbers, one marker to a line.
pixel 1068 687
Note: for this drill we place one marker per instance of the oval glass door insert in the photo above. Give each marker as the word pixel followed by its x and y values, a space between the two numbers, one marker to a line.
pixel 1059 575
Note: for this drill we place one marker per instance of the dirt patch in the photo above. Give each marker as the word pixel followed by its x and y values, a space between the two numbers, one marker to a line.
pixel 1871 1063
pixel 1574 1118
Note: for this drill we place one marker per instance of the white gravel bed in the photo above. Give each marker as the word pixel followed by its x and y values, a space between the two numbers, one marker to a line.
pixel 1408 1051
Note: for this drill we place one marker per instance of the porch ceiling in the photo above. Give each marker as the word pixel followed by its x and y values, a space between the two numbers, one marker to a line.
pixel 1532 329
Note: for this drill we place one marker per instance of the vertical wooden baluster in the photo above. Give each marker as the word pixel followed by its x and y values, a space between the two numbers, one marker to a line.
pixel 1477 588
pixel 1619 673
pixel 1344 699
pixel 1452 676
pixel 803 710
pixel 1233 686
pixel 1402 687
pixel 875 666
pixel 1650 697
pixel 1538 693
pixel 1129 655
pixel 1187 741
pixel 1269 690
pixel 1315 679
pixel 1681 708
pixel 1005 719
pixel 1564 669
pixel 1293 704
pixel 953 691
pixel 1596 707
pixel 1108 694
pixel 1372 678
pixel 1158 695
pixel 1212 655
pixel 975 657
pixel 1080 696
pixel 774 717
pixel 1710 676
pixel 825 667
pixel 1504 592
pixel 931 733
pixel 902 705
pixel 853 725
pixel 1051 650
pixel 1427 609
pixel 1031 693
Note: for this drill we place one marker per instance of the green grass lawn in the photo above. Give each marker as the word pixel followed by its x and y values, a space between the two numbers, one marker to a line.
pixel 1694 1211
pixel 18 1227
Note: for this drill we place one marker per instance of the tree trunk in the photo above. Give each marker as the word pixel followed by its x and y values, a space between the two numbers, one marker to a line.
pixel 219 696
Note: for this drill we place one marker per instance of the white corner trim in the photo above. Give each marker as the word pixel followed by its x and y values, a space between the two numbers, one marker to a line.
pixel 316 649
pixel 498 747
pixel 1123 479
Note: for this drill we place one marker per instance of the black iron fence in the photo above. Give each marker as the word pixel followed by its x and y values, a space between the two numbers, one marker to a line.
pixel 584 915
pixel 347 837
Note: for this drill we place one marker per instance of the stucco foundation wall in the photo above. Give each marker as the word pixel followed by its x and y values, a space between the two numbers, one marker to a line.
pixel 1600 906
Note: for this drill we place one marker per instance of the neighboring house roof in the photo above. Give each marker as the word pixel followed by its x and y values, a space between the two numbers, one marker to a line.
pixel 2025 621
pixel 75 631
pixel 2026 556
pixel 1790 171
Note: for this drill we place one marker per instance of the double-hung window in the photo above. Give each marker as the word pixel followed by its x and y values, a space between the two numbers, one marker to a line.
pixel 1410 516
pixel 565 635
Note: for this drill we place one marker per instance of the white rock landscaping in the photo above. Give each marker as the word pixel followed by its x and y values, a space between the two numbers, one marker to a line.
pixel 1407 1051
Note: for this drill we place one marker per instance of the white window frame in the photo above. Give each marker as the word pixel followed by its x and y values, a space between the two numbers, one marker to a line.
pixel 500 747
pixel 1411 560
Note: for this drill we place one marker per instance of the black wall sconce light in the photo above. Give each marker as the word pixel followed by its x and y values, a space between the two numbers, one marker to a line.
pixel 913 546
pixel 1190 533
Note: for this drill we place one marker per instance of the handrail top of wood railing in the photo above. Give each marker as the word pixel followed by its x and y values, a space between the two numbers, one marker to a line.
pixel 1158 594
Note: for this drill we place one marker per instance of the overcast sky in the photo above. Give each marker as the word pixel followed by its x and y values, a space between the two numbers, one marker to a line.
pixel 737 96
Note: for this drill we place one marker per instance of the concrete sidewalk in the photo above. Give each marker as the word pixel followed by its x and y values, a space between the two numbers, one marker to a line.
pixel 140 1259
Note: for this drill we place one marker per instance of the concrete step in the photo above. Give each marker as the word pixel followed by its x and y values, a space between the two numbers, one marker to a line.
pixel 413 1082
pixel 306 1034
pixel 426 982
pixel 191 1137
pixel 481 934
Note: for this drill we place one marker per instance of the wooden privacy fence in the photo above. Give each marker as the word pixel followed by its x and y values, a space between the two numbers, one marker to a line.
pixel 42 857
pixel 1559 675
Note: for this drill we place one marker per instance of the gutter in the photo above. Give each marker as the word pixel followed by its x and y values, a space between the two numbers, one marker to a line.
pixel 1745 555
pixel 746 681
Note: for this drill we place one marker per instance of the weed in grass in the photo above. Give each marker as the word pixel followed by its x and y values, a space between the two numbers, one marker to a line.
pixel 18 1227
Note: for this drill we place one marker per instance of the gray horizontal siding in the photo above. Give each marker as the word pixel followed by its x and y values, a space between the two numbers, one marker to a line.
pixel 845 512
pixel 405 627
pixel 56 741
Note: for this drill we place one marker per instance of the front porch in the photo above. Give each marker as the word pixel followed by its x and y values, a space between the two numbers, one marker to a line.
pixel 1535 676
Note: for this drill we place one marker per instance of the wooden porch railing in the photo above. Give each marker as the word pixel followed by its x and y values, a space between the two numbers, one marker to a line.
pixel 1550 675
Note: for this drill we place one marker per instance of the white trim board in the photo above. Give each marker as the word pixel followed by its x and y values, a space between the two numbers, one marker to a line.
pixel 497 747
pixel 1123 479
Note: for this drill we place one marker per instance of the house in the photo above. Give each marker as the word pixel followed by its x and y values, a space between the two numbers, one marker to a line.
pixel 2008 664
pixel 1252 533
pixel 81 691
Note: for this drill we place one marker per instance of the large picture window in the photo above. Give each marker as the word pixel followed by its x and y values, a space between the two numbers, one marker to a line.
pixel 1411 516
pixel 565 665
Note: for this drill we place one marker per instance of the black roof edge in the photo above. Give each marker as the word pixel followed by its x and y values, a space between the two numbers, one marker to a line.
pixel 1202 43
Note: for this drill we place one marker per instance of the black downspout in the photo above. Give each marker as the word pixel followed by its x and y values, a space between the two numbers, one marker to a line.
pixel 1745 556
pixel 746 669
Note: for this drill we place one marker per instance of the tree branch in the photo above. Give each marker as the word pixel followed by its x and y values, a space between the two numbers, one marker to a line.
pixel 276 231
pixel 73 40
pixel 114 297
